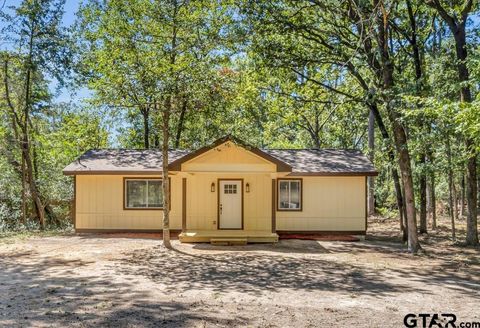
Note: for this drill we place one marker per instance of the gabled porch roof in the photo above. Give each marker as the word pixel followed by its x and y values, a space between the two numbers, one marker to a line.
pixel 280 165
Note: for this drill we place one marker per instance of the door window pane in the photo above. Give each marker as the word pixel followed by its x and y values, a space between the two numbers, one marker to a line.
pixel 230 189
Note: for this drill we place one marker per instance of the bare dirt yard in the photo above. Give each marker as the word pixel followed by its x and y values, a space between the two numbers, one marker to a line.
pixel 125 281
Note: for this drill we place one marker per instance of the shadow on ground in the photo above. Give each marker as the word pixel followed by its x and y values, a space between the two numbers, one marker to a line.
pixel 261 272
pixel 48 292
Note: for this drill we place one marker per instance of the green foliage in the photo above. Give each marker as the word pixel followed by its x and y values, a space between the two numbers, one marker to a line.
pixel 278 74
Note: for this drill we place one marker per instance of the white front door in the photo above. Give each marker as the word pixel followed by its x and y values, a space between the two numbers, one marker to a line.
pixel 230 204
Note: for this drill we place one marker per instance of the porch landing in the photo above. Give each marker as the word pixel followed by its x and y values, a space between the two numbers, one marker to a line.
pixel 205 236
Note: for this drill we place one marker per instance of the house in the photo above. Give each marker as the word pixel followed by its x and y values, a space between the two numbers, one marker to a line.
pixel 225 190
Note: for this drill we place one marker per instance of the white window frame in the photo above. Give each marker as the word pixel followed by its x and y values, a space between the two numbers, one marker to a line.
pixel 299 209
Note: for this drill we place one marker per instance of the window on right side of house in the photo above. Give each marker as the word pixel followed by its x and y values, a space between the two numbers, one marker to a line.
pixel 290 195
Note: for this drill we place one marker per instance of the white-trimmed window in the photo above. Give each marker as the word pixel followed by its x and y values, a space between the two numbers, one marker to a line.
pixel 143 193
pixel 290 194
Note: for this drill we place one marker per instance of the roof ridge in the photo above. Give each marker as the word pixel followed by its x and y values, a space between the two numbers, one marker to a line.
pixel 347 149
pixel 139 149
pixel 185 149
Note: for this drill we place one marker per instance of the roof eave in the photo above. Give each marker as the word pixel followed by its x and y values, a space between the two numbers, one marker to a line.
pixel 112 172
pixel 344 174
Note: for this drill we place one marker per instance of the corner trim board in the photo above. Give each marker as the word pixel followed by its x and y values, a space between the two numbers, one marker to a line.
pixel 184 204
pixel 74 210
pixel 274 206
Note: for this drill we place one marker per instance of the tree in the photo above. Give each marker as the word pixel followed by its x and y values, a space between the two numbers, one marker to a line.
pixel 39 48
pixel 300 34
pixel 152 54
pixel 456 21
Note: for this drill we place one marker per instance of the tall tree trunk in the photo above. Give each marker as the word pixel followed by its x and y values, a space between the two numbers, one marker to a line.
pixel 462 196
pixel 399 134
pixel 167 110
pixel 432 197
pixel 451 187
pixel 407 178
pixel 146 127
pixel 181 121
pixel 20 126
pixel 24 190
pixel 471 194
pixel 423 196
pixel 371 149
pixel 478 190
pixel 33 186
pixel 166 182
pixel 26 143
pixel 417 60
pixel 432 208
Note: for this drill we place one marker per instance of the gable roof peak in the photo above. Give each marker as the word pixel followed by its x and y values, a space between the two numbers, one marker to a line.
pixel 281 165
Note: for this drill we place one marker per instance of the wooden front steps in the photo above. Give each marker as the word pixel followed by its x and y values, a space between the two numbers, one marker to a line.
pixel 228 241
pixel 223 236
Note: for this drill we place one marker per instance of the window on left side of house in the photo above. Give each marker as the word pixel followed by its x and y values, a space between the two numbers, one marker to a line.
pixel 143 193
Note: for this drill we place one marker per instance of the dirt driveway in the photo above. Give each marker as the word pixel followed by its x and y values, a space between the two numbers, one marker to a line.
pixel 115 280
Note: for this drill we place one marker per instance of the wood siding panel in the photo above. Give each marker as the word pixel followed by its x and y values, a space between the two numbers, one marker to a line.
pixel 228 158
pixel 100 205
pixel 329 204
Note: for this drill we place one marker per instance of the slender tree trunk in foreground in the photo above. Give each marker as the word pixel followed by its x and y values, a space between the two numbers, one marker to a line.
pixel 165 180
pixel 181 122
pixel 471 193
pixel 146 128
pixel 417 60
pixel 24 191
pixel 371 148
pixel 451 188
pixel 399 134
pixel 407 178
pixel 462 197
pixel 423 198
pixel 432 201
pixel 22 124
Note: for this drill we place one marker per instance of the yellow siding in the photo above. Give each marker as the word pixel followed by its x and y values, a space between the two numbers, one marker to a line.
pixel 329 204
pixel 202 203
pixel 100 205
pixel 228 158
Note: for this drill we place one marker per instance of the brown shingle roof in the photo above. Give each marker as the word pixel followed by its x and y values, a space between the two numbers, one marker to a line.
pixel 302 161
pixel 119 161
pixel 325 161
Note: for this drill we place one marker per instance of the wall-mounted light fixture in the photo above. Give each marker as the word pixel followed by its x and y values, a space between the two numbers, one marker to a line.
pixel 247 187
pixel 212 187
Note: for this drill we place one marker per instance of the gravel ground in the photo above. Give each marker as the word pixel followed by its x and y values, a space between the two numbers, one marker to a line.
pixel 129 281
